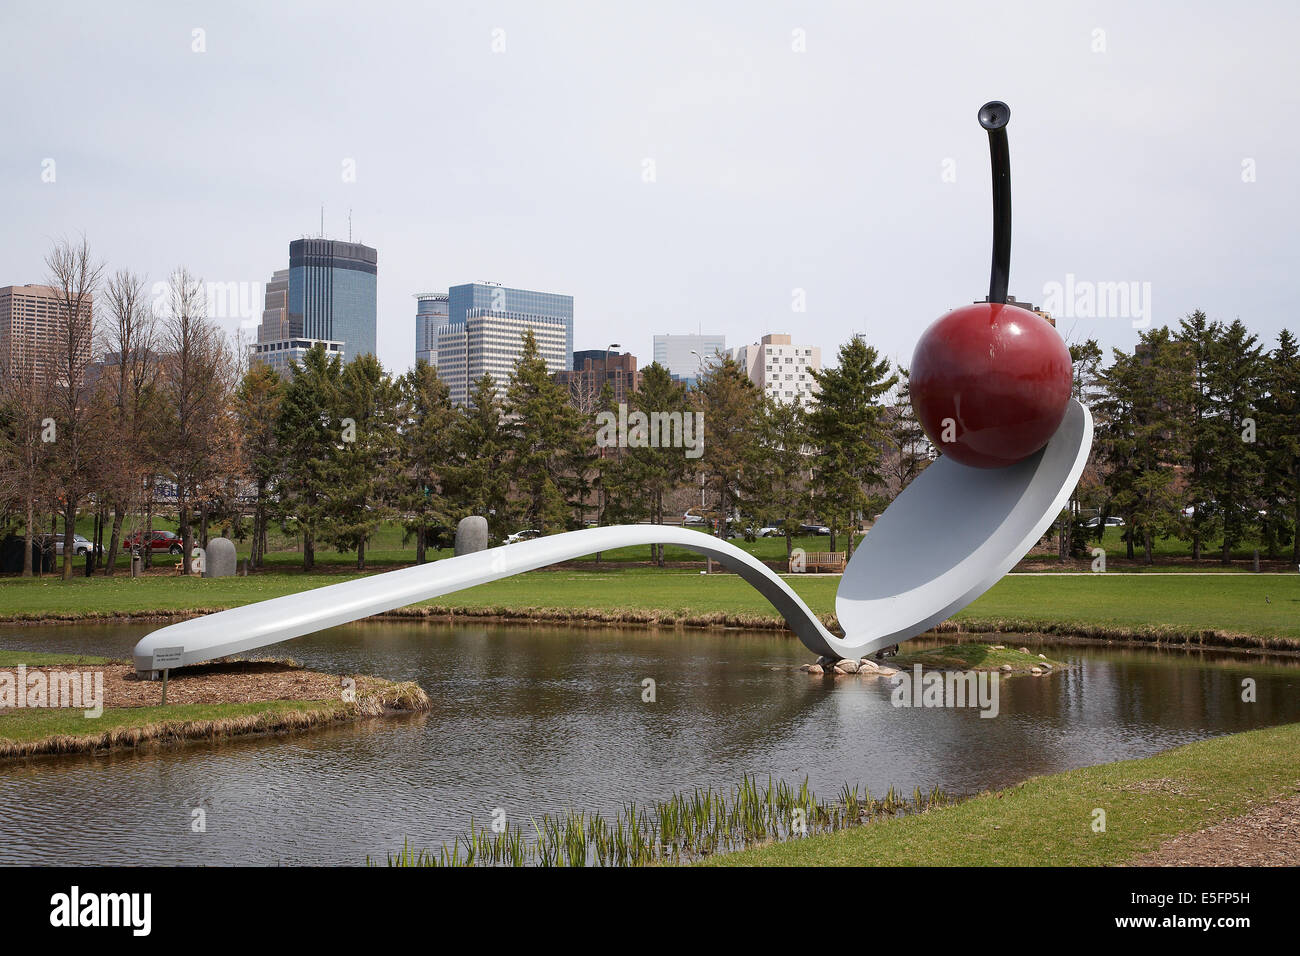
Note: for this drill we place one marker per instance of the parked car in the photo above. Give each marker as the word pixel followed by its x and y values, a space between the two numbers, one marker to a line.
pixel 814 529
pixel 54 544
pixel 168 541
pixel 692 517
pixel 519 536
pixel 1111 522
pixel 769 531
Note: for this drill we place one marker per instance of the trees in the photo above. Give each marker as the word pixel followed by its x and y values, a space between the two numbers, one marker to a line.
pixel 640 477
pixel 847 430
pixel 307 433
pixel 257 410
pixel 779 490
pixel 1198 336
pixel 197 438
pixel 1279 439
pixel 549 443
pixel 477 477
pixel 1234 379
pixel 426 420
pixel 731 405
pixel 74 277
pixel 1143 435
pixel 908 451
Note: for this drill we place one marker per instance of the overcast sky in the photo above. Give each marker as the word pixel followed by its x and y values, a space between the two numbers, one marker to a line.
pixel 673 166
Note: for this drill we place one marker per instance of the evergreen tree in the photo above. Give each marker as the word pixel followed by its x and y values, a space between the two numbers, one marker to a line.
pixel 1142 436
pixel 847 429
pixel 731 407
pixel 638 479
pixel 426 431
pixel 779 489
pixel 1235 469
pixel 257 409
pixel 476 480
pixel 1199 336
pixel 308 434
pixel 549 443
pixel 1279 439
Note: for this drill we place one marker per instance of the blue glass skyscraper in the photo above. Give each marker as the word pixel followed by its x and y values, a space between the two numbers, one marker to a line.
pixel 333 293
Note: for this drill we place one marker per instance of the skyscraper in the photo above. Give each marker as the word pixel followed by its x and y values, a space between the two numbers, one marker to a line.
pixel 34 331
pixel 280 340
pixel 333 293
pixel 684 354
pixel 484 334
pixel 430 315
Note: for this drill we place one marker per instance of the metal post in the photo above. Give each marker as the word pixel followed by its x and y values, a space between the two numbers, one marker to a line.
pixel 164 700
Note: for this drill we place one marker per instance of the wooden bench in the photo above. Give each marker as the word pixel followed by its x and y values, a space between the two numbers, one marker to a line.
pixel 824 562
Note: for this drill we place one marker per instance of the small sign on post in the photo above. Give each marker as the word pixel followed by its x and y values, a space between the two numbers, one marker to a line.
pixel 165 657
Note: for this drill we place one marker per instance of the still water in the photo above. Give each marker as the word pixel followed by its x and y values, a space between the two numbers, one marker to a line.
pixel 532 720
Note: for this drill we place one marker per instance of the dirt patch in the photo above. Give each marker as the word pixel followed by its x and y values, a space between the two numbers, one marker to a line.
pixel 223 682
pixel 1267 836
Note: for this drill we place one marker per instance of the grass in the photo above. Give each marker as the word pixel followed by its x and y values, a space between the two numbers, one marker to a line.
pixel 26 732
pixel 1262 610
pixel 1048 821
pixel 973 657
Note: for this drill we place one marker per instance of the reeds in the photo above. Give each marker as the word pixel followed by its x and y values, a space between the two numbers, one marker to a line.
pixel 683 828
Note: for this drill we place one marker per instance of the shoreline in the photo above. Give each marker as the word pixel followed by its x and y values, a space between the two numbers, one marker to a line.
pixel 220 700
pixel 1168 637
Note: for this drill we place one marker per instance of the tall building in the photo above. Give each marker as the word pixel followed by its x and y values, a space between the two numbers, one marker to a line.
pixel 781 369
pixel 430 315
pixel 593 368
pixel 684 354
pixel 484 334
pixel 333 293
pixel 490 298
pixel 33 330
pixel 275 323
pixel 280 339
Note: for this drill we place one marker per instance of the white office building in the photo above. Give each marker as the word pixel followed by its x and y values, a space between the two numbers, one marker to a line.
pixel 430 315
pixel 685 354
pixel 489 342
pixel 781 369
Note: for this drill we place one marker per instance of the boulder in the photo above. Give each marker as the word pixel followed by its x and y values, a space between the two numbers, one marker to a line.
pixel 1024 650
pixel 846 667
pixel 1037 671
pixel 886 671
pixel 219 559
pixel 1005 668
pixel 471 535
pixel 815 669
pixel 867 664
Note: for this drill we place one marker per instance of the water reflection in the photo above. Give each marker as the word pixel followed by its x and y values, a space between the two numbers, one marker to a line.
pixel 543 719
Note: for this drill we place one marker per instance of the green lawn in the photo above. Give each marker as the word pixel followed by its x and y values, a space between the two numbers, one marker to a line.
pixel 1048 821
pixel 1264 606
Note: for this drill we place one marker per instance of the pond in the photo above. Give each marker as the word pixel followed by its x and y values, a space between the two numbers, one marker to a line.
pixel 543 719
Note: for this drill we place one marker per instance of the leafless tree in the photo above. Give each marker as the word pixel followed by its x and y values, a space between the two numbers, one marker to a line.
pixel 74 276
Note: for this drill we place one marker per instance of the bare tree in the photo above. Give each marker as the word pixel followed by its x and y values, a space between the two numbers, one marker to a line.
pixel 131 338
pixel 74 277
pixel 24 438
pixel 198 433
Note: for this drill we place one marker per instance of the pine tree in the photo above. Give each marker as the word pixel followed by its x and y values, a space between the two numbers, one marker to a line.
pixel 476 480
pixel 1279 439
pixel 731 406
pixel 426 434
pixel 549 443
pixel 1235 469
pixel 257 409
pixel 779 490
pixel 307 434
pixel 1199 336
pixel 846 427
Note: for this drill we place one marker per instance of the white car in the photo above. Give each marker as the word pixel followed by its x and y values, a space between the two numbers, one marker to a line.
pixel 80 545
pixel 527 535
pixel 1111 522
pixel 691 518
pixel 769 531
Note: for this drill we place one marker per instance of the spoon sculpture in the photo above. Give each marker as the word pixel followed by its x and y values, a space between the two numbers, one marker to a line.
pixel 991 391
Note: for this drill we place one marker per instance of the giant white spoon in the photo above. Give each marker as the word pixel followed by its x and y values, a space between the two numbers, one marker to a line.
pixel 952 533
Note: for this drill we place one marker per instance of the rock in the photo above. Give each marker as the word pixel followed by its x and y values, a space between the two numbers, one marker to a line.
pixel 814 669
pixel 804 667
pixel 886 671
pixel 1005 668
pixel 1037 671
pixel 846 667
pixel 471 535
pixel 219 559
pixel 867 664
pixel 825 661
pixel 1042 657
pixel 1024 650
pixel 998 647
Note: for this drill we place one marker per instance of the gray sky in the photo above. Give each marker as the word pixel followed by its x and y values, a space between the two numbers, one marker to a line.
pixel 774 169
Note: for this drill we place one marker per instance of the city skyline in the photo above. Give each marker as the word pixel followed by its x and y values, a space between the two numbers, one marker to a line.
pixel 807 216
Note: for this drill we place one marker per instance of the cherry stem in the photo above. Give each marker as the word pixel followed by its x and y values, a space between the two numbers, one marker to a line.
pixel 994 116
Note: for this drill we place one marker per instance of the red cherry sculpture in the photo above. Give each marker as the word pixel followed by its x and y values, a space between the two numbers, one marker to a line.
pixel 990 382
